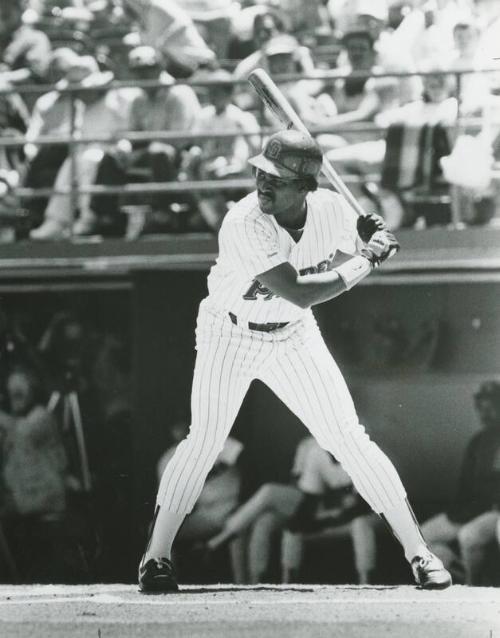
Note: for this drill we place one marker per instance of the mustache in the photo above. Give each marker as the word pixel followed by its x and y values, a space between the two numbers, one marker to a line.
pixel 265 193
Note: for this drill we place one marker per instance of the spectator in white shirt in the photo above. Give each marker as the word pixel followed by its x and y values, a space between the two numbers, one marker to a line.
pixel 99 113
pixel 221 157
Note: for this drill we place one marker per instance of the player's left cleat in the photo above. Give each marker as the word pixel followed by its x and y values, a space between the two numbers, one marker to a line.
pixel 157 577
pixel 429 572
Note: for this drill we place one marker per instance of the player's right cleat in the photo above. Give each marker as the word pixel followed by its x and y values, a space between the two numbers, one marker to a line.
pixel 429 572
pixel 157 577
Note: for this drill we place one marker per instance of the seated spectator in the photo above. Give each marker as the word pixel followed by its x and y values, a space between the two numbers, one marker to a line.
pixel 34 479
pixel 167 107
pixel 357 99
pixel 51 116
pixel 14 220
pixel 100 112
pixel 165 26
pixel 24 51
pixel 218 497
pixel 14 118
pixel 340 513
pixel 223 157
pixel 471 519
pixel 474 87
pixel 275 507
pixel 390 46
pixel 265 27
pixel 418 135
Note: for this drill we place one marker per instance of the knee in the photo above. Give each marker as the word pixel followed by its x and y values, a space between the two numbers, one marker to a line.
pixel 159 149
pixel 468 538
pixel 265 493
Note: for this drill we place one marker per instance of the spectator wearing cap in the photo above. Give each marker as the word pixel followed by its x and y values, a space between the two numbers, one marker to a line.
pixel 473 516
pixel 24 51
pixel 220 157
pixel 162 108
pixel 101 114
pixel 51 116
pixel 280 57
pixel 266 27
pixel 165 26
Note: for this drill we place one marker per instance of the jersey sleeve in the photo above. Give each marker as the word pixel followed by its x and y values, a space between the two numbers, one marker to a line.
pixel 250 246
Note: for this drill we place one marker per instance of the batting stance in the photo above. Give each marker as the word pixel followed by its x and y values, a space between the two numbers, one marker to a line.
pixel 282 249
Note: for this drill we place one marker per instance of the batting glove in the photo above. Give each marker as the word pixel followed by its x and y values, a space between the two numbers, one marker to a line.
pixel 381 246
pixel 368 225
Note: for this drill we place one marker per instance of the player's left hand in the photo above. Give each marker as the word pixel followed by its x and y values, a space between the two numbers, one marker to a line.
pixel 368 225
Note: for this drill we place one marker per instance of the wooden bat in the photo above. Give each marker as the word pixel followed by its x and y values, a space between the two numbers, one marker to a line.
pixel 277 103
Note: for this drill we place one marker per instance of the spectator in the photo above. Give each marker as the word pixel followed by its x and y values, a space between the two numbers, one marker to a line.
pixel 473 516
pixel 357 98
pixel 14 118
pixel 167 107
pixel 274 507
pixel 267 26
pixel 218 497
pixel 24 51
pixel 418 135
pixel 223 157
pixel 474 87
pixel 34 477
pixel 100 112
pixel 338 512
pixel 166 27
pixel 51 116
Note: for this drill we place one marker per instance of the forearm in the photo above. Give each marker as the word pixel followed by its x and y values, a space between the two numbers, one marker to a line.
pixel 316 288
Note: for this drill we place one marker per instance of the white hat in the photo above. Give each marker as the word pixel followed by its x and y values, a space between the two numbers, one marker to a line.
pixel 143 56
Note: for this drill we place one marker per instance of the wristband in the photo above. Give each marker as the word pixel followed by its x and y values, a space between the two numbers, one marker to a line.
pixel 354 270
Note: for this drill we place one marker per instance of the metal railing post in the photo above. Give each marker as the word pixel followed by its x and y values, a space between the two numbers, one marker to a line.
pixel 73 161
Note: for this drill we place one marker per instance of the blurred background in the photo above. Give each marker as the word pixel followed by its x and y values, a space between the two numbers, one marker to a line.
pixel 125 129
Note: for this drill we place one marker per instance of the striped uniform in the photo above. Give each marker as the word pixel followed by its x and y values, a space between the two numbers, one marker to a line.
pixel 292 359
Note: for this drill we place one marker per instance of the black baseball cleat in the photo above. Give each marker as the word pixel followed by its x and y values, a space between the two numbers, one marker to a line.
pixel 157 577
pixel 429 572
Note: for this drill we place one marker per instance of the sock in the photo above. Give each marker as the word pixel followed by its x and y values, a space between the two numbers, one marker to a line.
pixel 164 529
pixel 405 528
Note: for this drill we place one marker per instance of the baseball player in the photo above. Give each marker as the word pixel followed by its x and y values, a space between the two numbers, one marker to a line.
pixel 283 248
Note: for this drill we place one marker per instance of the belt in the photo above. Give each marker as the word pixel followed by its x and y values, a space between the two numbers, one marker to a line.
pixel 262 327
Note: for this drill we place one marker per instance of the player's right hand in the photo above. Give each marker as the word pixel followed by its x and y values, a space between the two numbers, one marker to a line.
pixel 382 245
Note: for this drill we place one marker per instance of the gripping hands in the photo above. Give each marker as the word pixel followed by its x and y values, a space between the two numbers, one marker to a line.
pixel 380 243
pixel 381 246
pixel 368 224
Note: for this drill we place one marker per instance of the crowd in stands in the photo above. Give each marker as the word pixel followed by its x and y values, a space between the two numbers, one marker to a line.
pixel 156 91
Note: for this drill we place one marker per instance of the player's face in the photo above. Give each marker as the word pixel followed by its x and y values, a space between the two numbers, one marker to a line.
pixel 277 195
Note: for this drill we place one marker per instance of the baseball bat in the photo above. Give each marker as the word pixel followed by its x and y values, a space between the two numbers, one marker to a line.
pixel 277 103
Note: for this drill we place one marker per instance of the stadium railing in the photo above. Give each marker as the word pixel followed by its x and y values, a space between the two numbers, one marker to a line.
pixel 73 140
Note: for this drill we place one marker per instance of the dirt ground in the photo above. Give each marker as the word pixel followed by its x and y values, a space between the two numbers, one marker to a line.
pixel 222 611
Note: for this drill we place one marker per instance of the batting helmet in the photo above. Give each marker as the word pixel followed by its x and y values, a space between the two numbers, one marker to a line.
pixel 290 154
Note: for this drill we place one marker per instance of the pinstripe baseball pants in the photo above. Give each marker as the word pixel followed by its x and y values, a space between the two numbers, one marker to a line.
pixel 296 365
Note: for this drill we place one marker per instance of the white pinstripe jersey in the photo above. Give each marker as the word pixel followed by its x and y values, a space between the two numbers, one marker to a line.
pixel 251 242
